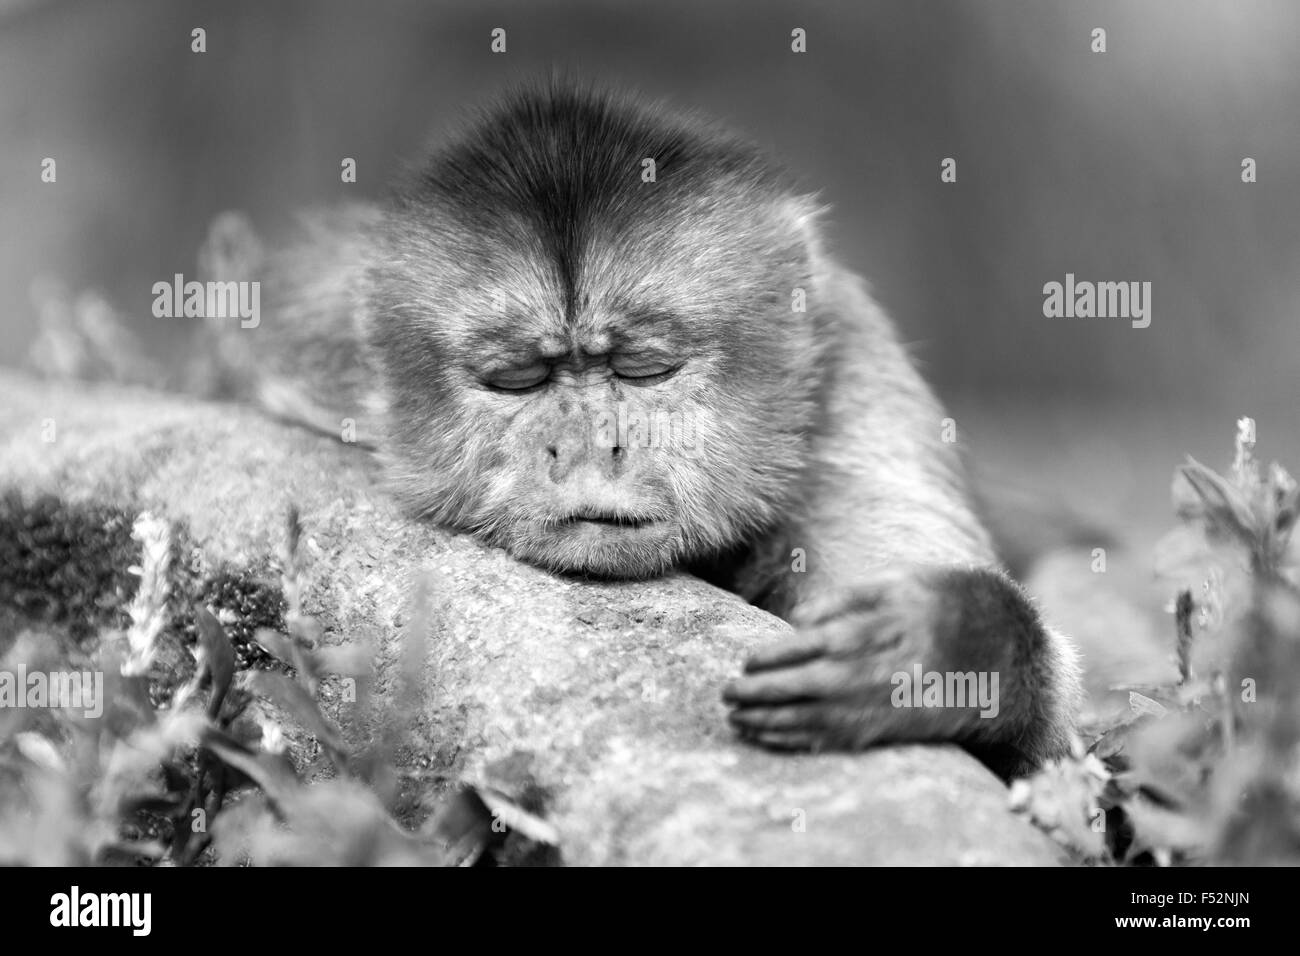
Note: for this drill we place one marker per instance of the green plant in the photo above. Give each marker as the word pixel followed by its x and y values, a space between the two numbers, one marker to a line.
pixel 205 772
pixel 1206 768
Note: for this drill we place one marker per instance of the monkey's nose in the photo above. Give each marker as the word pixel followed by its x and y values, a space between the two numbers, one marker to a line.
pixel 567 457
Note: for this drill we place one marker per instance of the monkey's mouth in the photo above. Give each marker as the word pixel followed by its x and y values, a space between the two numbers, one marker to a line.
pixel 609 519
pixel 606 542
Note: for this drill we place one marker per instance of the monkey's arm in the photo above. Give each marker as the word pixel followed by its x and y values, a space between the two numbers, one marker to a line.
pixel 901 579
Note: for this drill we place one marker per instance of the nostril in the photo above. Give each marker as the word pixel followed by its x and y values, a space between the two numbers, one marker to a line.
pixel 553 451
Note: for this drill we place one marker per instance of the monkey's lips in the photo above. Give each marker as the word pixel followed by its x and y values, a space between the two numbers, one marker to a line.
pixel 614 544
pixel 608 527
pixel 609 520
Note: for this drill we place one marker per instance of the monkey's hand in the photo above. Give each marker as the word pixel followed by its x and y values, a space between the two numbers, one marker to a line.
pixel 862 670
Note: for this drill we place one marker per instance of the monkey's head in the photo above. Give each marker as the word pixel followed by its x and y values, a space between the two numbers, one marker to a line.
pixel 588 319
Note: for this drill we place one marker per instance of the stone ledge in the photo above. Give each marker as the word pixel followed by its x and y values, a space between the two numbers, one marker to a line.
pixel 611 689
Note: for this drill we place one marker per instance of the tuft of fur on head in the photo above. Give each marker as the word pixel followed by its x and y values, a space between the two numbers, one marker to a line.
pixel 534 232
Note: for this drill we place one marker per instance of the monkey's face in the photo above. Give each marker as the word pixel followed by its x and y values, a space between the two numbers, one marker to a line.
pixel 651 408
pixel 598 373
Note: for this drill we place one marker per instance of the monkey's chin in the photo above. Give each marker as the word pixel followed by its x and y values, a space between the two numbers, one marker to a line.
pixel 603 549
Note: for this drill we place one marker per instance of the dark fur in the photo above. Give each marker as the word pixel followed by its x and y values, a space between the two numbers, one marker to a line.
pixel 531 242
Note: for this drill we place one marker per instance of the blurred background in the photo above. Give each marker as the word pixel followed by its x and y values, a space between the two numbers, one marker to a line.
pixel 1117 166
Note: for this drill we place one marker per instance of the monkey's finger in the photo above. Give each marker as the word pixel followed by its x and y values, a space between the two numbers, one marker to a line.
pixel 818 679
pixel 862 638
pixel 787 653
pixel 791 717
pixel 845 639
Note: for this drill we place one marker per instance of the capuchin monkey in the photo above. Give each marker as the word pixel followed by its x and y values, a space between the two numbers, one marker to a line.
pixel 610 340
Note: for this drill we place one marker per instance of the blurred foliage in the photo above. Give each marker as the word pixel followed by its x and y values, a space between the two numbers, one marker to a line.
pixel 1205 770
pixel 210 763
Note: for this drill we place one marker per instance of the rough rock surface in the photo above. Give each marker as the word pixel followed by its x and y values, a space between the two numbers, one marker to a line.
pixel 612 690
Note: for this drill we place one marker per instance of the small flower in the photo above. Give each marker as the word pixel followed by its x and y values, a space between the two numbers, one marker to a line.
pixel 149 606
pixel 1245 471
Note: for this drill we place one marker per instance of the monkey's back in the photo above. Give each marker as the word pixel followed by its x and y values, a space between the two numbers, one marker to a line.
pixel 305 360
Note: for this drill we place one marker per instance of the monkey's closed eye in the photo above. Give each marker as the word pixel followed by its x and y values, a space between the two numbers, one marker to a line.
pixel 518 379
pixel 645 373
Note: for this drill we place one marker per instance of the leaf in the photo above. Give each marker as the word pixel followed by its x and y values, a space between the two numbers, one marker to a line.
pixel 1214 500
pixel 517 818
pixel 1114 741
pixel 293 698
pixel 1140 704
pixel 292 651
pixel 218 657
pixel 272 772
pixel 277 645
pixel 39 751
